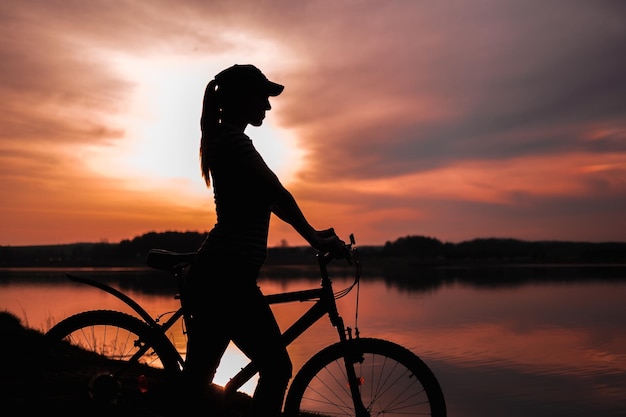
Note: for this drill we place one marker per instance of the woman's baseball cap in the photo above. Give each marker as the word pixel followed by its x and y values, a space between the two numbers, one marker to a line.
pixel 244 78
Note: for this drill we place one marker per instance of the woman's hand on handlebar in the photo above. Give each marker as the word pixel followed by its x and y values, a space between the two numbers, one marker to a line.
pixel 329 242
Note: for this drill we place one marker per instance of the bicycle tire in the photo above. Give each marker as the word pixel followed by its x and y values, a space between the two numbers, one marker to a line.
pixel 393 382
pixel 89 365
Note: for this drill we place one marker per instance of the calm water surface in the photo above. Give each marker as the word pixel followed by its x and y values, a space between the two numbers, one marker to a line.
pixel 548 343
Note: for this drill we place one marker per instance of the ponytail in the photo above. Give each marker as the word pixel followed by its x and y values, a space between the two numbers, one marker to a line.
pixel 209 123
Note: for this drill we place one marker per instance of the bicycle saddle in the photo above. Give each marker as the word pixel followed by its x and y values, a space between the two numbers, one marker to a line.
pixel 166 260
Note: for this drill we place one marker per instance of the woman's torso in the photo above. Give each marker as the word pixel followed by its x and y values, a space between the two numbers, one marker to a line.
pixel 242 199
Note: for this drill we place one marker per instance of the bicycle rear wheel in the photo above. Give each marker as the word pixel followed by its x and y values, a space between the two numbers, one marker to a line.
pixel 393 382
pixel 107 359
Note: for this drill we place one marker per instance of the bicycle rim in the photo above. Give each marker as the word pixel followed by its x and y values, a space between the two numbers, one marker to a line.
pixel 95 361
pixel 393 382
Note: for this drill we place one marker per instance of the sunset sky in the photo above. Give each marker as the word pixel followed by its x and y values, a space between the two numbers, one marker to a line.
pixel 450 119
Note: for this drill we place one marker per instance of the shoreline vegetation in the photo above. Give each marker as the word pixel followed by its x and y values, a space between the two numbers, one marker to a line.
pixel 409 250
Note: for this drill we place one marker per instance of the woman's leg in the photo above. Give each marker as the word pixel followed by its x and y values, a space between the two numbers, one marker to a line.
pixel 205 348
pixel 207 335
pixel 257 335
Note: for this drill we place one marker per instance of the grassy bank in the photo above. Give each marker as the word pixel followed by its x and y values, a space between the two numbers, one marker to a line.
pixel 33 382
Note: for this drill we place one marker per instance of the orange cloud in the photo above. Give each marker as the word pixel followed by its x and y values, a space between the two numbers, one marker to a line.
pixel 415 119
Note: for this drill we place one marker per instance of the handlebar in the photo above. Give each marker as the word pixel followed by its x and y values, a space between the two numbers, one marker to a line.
pixel 347 252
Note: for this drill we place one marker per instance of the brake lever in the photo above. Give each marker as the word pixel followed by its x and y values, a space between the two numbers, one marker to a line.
pixel 349 249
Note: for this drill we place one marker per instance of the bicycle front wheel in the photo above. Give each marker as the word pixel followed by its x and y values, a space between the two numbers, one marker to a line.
pixel 106 358
pixel 393 382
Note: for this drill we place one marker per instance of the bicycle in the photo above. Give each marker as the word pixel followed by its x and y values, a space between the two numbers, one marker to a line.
pixel 118 359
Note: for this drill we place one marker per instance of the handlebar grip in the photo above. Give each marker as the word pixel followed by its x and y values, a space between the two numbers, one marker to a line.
pixel 345 252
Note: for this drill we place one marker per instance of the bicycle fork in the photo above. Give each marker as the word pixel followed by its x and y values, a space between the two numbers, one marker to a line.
pixel 351 357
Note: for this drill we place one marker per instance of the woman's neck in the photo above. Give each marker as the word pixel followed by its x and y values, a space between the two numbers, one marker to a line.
pixel 236 123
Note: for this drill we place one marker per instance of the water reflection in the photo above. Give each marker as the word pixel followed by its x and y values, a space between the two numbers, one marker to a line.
pixel 530 341
pixel 428 278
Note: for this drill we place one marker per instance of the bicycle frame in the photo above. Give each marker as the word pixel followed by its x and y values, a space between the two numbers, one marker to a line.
pixel 325 305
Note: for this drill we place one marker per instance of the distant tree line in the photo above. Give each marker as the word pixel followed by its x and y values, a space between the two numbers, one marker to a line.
pixel 413 249
pixel 509 250
pixel 125 253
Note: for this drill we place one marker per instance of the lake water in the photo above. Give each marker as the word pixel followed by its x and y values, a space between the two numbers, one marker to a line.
pixel 530 341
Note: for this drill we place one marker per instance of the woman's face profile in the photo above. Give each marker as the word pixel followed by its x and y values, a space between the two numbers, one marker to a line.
pixel 255 107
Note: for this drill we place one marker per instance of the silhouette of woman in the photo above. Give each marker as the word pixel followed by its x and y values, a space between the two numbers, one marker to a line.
pixel 223 296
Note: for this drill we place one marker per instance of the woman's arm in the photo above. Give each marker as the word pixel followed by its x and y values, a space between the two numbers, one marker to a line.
pixel 285 207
